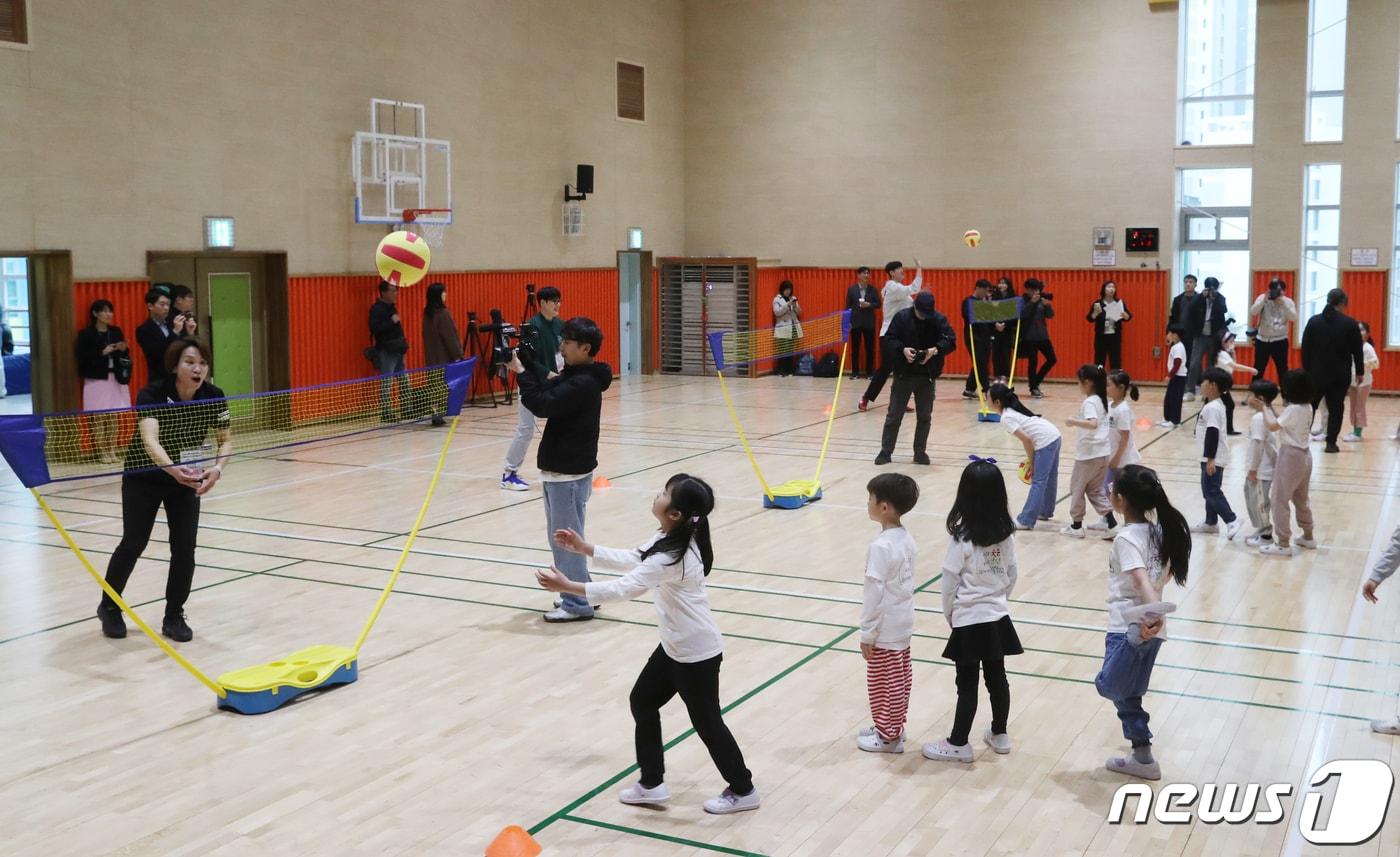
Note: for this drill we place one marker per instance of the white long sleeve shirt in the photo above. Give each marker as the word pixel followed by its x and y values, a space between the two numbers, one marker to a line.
pixel 896 296
pixel 977 582
pixel 1274 316
pixel 887 612
pixel 1390 560
pixel 688 630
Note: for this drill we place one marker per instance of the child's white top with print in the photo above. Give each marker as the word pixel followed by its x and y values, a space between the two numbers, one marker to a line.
pixel 1369 362
pixel 977 581
pixel 1120 419
pixel 1132 548
pixel 1213 416
pixel 1263 449
pixel 1040 430
pixel 1092 443
pixel 1178 352
pixel 1226 360
pixel 1295 424
pixel 887 612
pixel 688 630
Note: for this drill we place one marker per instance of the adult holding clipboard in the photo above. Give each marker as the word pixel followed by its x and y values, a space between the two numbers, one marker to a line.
pixel 1108 314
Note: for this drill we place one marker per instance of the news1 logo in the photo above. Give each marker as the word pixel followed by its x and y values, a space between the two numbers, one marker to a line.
pixel 1359 805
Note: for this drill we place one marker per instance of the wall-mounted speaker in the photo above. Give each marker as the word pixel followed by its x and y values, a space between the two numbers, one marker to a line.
pixel 583 183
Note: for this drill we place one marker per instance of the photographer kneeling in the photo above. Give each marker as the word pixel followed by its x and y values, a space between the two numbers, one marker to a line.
pixel 545 363
pixel 572 403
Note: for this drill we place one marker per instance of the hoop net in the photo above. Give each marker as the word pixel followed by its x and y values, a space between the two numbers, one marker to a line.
pixel 430 224
pixel 742 347
pixel 44 448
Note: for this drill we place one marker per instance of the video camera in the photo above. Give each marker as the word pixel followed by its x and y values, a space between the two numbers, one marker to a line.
pixel 509 341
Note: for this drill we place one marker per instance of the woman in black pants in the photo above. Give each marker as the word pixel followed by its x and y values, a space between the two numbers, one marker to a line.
pixel 1003 334
pixel 170 464
pixel 1108 315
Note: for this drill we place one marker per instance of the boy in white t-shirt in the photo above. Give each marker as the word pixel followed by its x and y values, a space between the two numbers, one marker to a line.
pixel 887 615
pixel 1263 453
pixel 1215 451
pixel 1177 371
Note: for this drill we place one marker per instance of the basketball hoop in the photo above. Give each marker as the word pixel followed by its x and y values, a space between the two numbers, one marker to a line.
pixel 430 224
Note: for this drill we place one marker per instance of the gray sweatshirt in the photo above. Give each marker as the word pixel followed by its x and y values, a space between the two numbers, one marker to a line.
pixel 1390 560
pixel 1274 316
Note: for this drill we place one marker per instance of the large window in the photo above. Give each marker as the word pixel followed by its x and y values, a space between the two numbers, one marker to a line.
pixel 14 299
pixel 1213 230
pixel 1392 327
pixel 1322 231
pixel 1327 61
pixel 1215 86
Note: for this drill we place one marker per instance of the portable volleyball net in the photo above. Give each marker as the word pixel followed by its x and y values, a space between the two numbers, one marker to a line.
pixel 736 348
pixel 986 313
pixel 43 449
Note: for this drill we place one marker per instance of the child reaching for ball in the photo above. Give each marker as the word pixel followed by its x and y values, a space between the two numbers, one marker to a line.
pixel 1042 443
pixel 674 562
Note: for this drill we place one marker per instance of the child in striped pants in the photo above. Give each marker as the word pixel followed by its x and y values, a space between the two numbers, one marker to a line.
pixel 887 617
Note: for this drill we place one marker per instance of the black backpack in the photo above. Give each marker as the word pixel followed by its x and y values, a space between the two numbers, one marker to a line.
pixel 827 367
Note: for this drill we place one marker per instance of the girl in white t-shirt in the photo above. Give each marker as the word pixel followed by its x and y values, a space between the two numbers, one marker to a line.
pixel 674 562
pixel 1293 468
pixel 1145 554
pixel 1225 359
pixel 1122 392
pixel 979 572
pixel 1042 443
pixel 1361 387
pixel 1091 451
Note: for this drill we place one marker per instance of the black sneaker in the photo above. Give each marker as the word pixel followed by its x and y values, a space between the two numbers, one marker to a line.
pixel 1036 394
pixel 921 458
pixel 1331 447
pixel 176 629
pixel 882 458
pixel 112 623
pixel 969 394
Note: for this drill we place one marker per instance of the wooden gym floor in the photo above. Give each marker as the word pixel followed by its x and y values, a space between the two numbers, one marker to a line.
pixel 472 714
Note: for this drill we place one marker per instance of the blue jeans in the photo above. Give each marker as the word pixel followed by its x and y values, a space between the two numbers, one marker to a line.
pixel 1040 502
pixel 1123 680
pixel 565 504
pixel 388 363
pixel 1216 504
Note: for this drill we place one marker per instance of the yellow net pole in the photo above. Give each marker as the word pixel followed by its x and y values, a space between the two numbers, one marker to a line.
pixel 1015 348
pixel 125 608
pixel 412 536
pixel 831 418
pixel 729 403
pixel 972 349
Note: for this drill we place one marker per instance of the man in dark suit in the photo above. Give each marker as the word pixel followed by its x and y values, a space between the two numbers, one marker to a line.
pixel 1206 316
pixel 1331 350
pixel 1182 302
pixel 155 334
pixel 915 344
pixel 862 299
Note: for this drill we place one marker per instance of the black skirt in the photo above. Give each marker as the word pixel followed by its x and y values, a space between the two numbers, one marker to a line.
pixel 983 641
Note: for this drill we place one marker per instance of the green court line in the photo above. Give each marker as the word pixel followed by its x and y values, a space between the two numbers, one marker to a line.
pixel 927 583
pixel 661 836
pixel 597 790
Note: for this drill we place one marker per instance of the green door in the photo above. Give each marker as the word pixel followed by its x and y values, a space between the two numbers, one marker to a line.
pixel 231 320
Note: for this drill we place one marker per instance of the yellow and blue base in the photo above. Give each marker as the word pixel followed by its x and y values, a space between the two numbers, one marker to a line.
pixel 988 417
pixel 266 687
pixel 794 494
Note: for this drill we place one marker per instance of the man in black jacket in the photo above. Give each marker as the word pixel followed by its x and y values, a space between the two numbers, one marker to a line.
pixel 1331 350
pixel 917 341
pixel 861 300
pixel 1182 302
pixel 155 334
pixel 980 341
pixel 390 345
pixel 1206 316
pixel 572 402
pixel 1035 334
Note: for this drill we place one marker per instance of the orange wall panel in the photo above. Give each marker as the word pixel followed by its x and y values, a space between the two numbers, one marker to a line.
pixel 128 299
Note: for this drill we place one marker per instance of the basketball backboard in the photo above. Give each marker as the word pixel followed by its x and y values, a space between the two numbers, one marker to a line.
pixel 397 166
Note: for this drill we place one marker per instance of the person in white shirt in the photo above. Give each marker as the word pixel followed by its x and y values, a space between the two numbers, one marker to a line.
pixel 1263 453
pixel 1384 568
pixel 1225 359
pixel 1272 312
pixel 1215 451
pixel 674 563
pixel 1041 441
pixel 895 296
pixel 979 572
pixel 887 614
pixel 1144 556
pixel 1177 373
pixel 1361 387
pixel 787 330
pixel 1293 469
pixel 1091 451
pixel 1122 392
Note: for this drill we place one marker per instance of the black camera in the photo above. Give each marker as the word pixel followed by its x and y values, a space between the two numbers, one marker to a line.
pixel 508 341
pixel 920 355
pixel 1275 289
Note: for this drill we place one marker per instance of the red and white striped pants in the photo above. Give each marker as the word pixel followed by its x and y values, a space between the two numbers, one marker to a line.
pixel 889 677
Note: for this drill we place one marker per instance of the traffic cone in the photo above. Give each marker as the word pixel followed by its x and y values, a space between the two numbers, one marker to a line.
pixel 513 842
pixel 601 482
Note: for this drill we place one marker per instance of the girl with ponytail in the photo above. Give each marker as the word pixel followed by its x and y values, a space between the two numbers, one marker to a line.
pixel 1091 452
pixel 1153 545
pixel 674 562
pixel 1042 444
pixel 1122 392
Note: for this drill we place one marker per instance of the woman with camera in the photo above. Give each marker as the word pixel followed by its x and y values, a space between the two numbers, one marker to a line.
pixel 1036 311
pixel 787 330
pixel 104 363
pixel 1108 314
pixel 1271 314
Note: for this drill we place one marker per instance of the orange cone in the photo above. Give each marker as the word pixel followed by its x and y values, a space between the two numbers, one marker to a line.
pixel 513 842
pixel 826 410
pixel 601 482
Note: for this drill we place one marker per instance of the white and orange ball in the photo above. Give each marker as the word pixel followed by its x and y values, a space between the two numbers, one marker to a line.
pixel 972 237
pixel 402 258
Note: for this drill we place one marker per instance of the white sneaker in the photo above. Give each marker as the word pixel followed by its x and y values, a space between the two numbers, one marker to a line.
pixel 1189 397
pixel 1203 527
pixel 1130 767
pixel 873 743
pixel 1318 435
pixel 559 614
pixel 1257 540
pixel 999 743
pixel 1100 524
pixel 1351 438
pixel 1232 529
pixel 1166 424
pixel 639 794
pixel 511 481
pixel 942 751
pixel 728 802
pixel 1072 532
pixel 1305 543
pixel 1386 727
pixel 1272 549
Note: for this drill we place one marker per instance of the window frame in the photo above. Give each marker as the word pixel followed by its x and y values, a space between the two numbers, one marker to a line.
pixel 1391 341
pixel 1183 101
pixel 1311 95
pixel 1336 247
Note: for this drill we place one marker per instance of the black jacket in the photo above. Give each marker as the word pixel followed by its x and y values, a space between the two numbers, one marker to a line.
pixel 1034 315
pixel 92 363
pixel 1102 318
pixel 909 331
pixel 862 319
pixel 388 334
pixel 1196 316
pixel 1332 348
pixel 572 404
pixel 153 344
pixel 1181 304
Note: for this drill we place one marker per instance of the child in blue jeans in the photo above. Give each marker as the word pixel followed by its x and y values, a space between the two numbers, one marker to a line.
pixel 1144 553
pixel 1042 443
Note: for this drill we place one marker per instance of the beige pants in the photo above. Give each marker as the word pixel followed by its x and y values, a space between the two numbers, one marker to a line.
pixel 1087 481
pixel 1292 472
pixel 1358 397
pixel 1256 501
